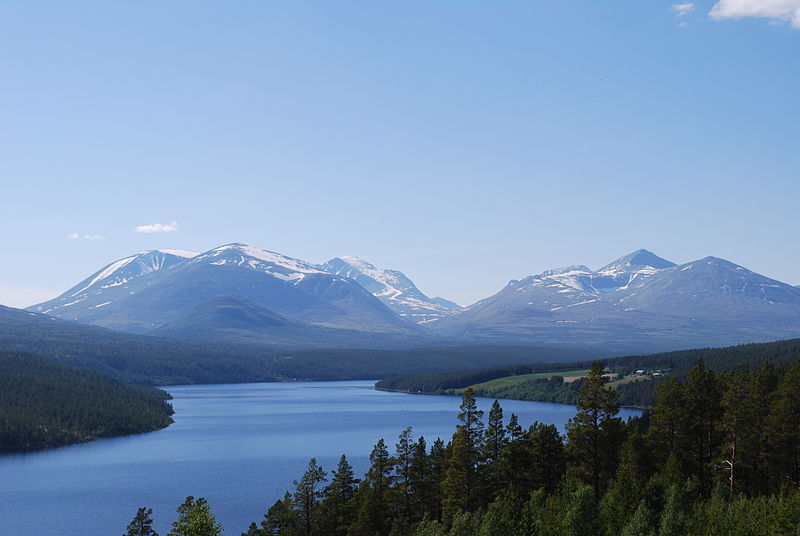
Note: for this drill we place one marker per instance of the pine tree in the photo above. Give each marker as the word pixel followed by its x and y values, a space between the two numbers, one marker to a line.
pixel 281 519
pixel 338 507
pixel 253 530
pixel 375 495
pixel 595 433
pixel 142 524
pixel 421 480
pixel 763 387
pixel 701 426
pixel 403 470
pixel 513 429
pixel 784 429
pixel 546 457
pixel 461 485
pixel 494 441
pixel 438 459
pixel 306 496
pixel 667 423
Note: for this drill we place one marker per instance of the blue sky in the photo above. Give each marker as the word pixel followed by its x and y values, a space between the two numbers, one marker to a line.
pixel 465 143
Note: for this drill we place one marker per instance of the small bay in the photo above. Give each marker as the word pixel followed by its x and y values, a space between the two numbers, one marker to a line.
pixel 238 445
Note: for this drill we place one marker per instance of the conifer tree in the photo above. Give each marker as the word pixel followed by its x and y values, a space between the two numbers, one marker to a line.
pixel 461 484
pixel 494 441
pixel 403 470
pixel 338 506
pixel 195 519
pixel 701 426
pixel 142 524
pixel 253 530
pixel 784 429
pixel 595 433
pixel 514 430
pixel 375 495
pixel 421 480
pixel 281 519
pixel 306 496
pixel 638 524
pixel 438 460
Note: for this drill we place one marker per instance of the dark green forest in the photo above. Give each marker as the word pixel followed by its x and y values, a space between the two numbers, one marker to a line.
pixel 640 394
pixel 149 360
pixel 47 404
pixel 718 455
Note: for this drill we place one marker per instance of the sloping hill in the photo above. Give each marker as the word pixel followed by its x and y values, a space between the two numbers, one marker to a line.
pixel 47 404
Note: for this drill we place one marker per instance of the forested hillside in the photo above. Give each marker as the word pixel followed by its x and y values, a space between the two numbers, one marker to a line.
pixel 639 393
pixel 157 361
pixel 47 404
pixel 718 456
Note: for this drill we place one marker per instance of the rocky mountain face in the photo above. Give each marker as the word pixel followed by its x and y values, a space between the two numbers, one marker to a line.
pixel 393 288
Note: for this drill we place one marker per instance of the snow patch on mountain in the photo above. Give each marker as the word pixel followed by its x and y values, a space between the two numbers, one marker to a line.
pixel 393 288
pixel 260 260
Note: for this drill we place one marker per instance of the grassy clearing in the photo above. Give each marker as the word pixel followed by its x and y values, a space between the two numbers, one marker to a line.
pixel 626 379
pixel 508 381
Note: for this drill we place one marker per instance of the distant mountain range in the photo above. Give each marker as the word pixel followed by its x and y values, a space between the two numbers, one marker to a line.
pixel 641 301
pixel 240 293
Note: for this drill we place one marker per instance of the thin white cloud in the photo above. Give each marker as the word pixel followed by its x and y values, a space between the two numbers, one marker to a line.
pixel 157 228
pixel 683 9
pixel 84 237
pixel 775 10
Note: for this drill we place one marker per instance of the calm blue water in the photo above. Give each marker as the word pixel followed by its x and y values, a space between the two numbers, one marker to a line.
pixel 239 446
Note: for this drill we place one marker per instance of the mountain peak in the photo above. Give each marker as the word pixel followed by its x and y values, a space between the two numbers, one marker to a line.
pixel 393 288
pixel 636 261
pixel 575 269
pixel 276 264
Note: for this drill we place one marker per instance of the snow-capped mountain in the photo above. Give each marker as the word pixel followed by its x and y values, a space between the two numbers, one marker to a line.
pixel 624 271
pixel 393 288
pixel 638 301
pixel 112 282
pixel 236 292
pixel 142 293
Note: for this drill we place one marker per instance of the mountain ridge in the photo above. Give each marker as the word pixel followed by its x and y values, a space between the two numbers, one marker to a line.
pixel 637 302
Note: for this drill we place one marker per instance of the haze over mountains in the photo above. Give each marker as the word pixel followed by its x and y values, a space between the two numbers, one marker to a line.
pixel 240 293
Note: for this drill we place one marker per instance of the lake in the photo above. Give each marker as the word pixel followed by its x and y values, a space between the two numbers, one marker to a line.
pixel 239 446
